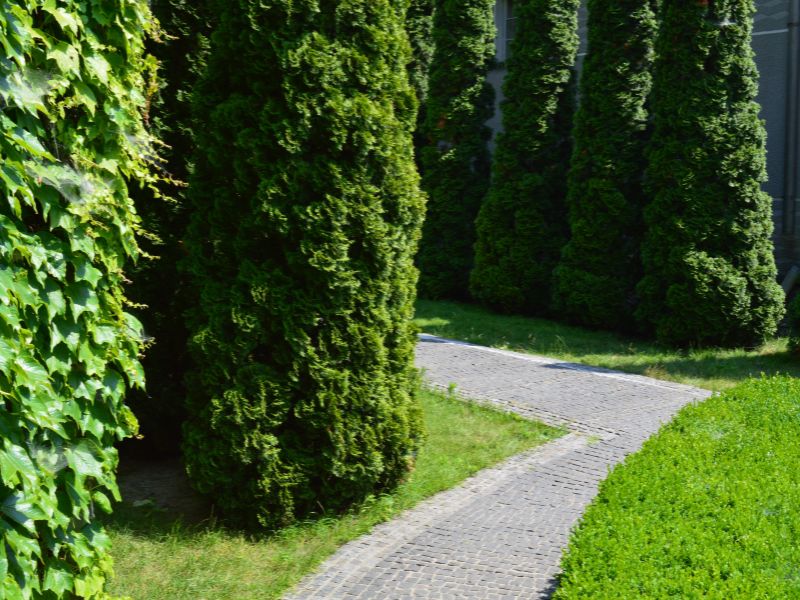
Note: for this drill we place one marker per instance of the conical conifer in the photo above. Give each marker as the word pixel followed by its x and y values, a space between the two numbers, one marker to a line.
pixel 600 266
pixel 305 217
pixel 522 224
pixel 710 275
pixel 455 155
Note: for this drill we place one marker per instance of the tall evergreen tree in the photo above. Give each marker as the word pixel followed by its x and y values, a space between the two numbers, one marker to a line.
pixel 419 25
pixel 600 266
pixel 73 105
pixel 158 284
pixel 522 224
pixel 710 275
pixel 305 217
pixel 455 156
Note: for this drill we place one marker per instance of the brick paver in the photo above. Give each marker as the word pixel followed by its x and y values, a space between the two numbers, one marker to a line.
pixel 501 534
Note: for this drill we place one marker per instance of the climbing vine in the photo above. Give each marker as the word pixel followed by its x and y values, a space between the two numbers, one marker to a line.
pixel 72 112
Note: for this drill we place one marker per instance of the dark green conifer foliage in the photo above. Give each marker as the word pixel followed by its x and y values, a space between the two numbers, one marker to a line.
pixel 158 283
pixel 455 156
pixel 710 276
pixel 305 217
pixel 522 224
pixel 600 266
pixel 419 25
pixel 73 80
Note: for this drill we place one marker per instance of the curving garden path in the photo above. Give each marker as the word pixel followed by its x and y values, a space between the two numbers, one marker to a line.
pixel 501 534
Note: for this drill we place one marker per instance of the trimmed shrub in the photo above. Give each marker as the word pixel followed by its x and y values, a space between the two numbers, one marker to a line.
pixel 159 284
pixel 709 508
pixel 305 216
pixel 72 84
pixel 455 156
pixel 600 266
pixel 710 275
pixel 522 224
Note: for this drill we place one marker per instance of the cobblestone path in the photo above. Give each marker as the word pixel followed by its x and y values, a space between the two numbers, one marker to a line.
pixel 501 534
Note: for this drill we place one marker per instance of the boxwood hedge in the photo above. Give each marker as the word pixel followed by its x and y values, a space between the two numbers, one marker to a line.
pixel 709 508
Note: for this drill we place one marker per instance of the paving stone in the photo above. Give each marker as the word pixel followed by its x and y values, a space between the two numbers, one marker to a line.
pixel 501 534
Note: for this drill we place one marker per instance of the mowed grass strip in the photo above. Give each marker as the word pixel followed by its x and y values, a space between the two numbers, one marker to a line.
pixel 712 369
pixel 709 508
pixel 156 558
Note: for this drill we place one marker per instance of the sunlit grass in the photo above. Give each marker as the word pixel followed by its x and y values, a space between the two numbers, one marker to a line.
pixel 712 369
pixel 157 558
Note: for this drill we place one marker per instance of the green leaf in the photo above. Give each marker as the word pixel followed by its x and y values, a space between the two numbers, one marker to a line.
pixel 66 20
pixel 85 96
pixel 83 461
pixel 30 374
pixel 16 465
pixel 66 57
pixel 82 299
pixel 22 511
pixel 58 579
pixel 85 271
pixel 56 304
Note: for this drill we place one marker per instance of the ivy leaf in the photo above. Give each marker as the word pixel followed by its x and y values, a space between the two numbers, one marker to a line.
pixel 30 373
pixel 58 579
pixel 67 21
pixel 22 511
pixel 59 361
pixel 83 461
pixel 85 96
pixel 82 299
pixel 65 56
pixel 56 304
pixel 85 271
pixel 16 465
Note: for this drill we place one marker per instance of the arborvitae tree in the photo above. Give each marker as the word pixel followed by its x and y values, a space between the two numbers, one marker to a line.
pixel 522 224
pixel 305 217
pixel 158 283
pixel 596 279
pixel 455 156
pixel 419 25
pixel 710 276
pixel 72 106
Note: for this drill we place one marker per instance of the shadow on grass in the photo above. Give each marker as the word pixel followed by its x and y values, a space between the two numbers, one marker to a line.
pixel 714 369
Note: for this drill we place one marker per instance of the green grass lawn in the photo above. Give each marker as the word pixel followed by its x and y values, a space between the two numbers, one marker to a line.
pixel 157 558
pixel 711 369
pixel 709 508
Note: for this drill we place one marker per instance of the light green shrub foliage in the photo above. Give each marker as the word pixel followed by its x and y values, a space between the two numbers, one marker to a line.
pixel 522 224
pixel 709 508
pixel 454 154
pixel 305 216
pixel 709 268
pixel 71 114
pixel 600 266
